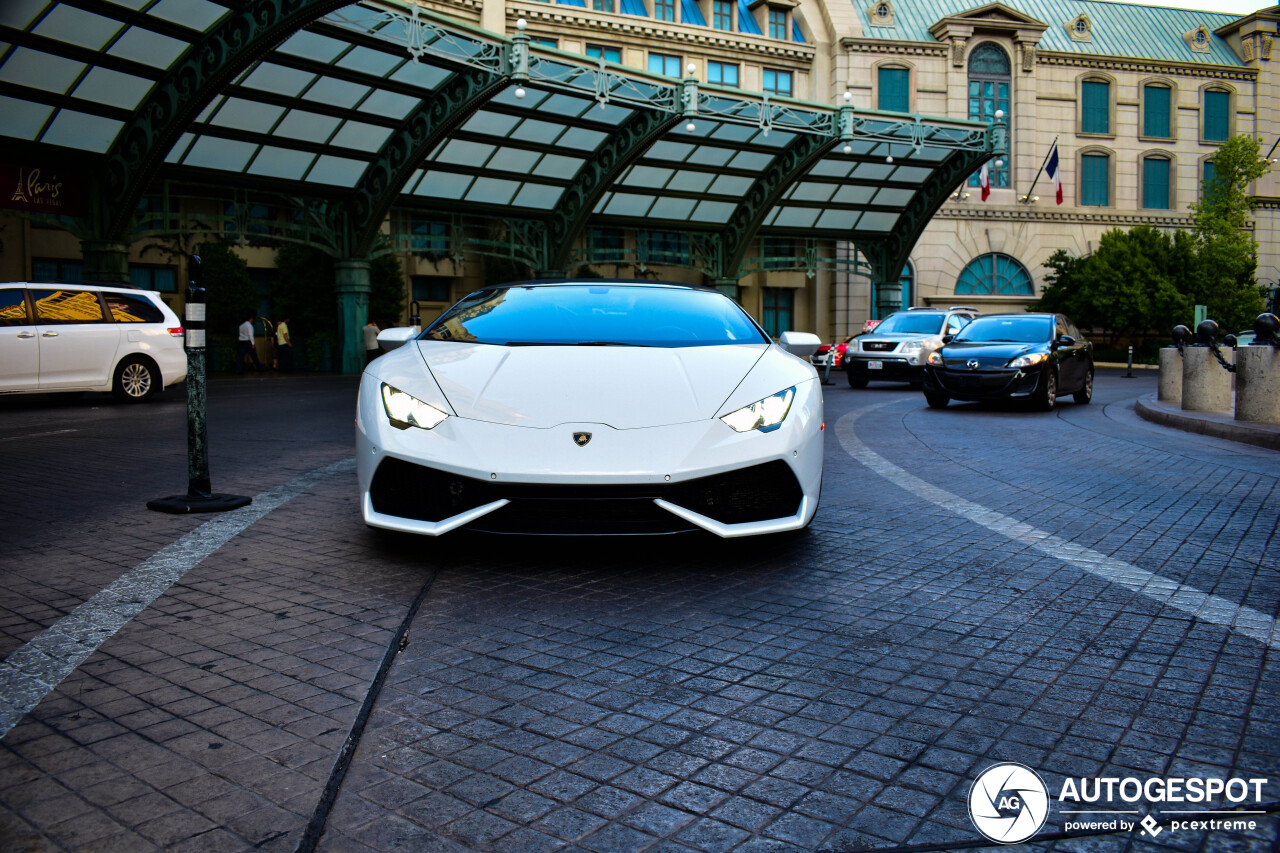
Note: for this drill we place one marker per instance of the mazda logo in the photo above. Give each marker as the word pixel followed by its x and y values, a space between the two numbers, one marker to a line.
pixel 972 363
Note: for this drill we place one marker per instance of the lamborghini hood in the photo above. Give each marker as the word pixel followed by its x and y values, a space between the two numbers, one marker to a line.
pixel 621 386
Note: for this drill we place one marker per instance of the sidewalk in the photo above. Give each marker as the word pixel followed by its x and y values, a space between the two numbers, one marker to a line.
pixel 1217 424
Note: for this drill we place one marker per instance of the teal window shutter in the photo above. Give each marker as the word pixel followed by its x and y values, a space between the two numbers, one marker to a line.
pixel 1217 121
pixel 1096 109
pixel 895 89
pixel 1155 183
pixel 1155 111
pixel 1094 178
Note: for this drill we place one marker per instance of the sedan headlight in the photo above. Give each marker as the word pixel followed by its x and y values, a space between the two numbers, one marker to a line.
pixel 935 358
pixel 1031 359
pixel 405 410
pixel 765 415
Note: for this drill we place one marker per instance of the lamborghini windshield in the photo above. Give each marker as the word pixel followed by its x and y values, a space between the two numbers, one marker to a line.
pixel 605 314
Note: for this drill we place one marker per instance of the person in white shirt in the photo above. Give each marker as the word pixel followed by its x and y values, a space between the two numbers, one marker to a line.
pixel 247 346
pixel 370 341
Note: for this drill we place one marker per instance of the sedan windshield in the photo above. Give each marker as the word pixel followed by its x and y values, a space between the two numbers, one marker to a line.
pixel 596 315
pixel 911 324
pixel 1016 330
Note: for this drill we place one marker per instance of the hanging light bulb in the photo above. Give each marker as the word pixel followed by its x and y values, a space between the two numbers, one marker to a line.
pixel 848 149
pixel 520 91
pixel 889 159
pixel 691 127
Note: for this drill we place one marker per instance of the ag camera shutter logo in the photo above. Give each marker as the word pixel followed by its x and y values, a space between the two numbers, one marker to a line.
pixel 1008 803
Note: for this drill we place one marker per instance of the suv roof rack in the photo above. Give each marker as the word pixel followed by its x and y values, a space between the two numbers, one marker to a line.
pixel 924 308
pixel 962 308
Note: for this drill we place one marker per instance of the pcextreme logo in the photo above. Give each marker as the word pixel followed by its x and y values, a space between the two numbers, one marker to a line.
pixel 1008 803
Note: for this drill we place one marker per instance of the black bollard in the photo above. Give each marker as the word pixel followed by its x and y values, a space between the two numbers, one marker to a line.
pixel 199 496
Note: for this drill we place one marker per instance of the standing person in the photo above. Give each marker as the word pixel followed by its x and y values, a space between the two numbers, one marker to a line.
pixel 247 346
pixel 370 341
pixel 284 345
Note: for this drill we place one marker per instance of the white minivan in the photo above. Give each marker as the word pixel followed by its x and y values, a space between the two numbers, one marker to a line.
pixel 87 337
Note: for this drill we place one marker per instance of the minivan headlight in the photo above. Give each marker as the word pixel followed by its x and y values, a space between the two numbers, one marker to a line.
pixel 405 410
pixel 765 415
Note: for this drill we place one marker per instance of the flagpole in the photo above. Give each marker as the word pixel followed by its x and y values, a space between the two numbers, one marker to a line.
pixel 1027 198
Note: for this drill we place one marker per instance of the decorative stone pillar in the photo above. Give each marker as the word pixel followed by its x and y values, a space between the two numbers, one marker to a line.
pixel 105 260
pixel 1170 375
pixel 352 287
pixel 1258 384
pixel 1206 386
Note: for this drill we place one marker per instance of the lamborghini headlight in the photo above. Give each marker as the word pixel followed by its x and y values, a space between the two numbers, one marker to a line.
pixel 1031 359
pixel 404 410
pixel 765 415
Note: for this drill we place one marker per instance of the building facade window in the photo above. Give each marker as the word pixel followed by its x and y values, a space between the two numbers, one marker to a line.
pixel 908 282
pixel 55 269
pixel 777 82
pixel 994 274
pixel 778 310
pixel 1095 180
pixel 722 14
pixel 1157 103
pixel 664 63
pixel 608 54
pixel 663 247
pixel 1208 180
pixel 1095 107
pixel 893 89
pixel 1156 189
pixel 608 245
pixel 989 83
pixel 544 41
pixel 148 277
pixel 779 253
pixel 778 24
pixel 664 10
pixel 431 288
pixel 602 5
pixel 722 73
pixel 1216 124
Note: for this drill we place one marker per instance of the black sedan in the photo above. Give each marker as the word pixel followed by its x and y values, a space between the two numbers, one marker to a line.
pixel 1038 357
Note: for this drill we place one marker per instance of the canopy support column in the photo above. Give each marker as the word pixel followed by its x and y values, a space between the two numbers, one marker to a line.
pixel 352 287
pixel 105 260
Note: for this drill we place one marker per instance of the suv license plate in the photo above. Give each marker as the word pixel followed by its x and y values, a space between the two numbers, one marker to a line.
pixel 875 365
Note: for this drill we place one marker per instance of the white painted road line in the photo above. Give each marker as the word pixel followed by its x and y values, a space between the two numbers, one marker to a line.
pixel 35 669
pixel 38 434
pixel 1240 618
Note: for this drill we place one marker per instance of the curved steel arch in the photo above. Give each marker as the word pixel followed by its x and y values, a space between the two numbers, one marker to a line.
pixel 622 148
pixel 435 117
pixel 206 67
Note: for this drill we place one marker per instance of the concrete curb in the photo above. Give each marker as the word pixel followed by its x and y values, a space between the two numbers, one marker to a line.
pixel 1216 424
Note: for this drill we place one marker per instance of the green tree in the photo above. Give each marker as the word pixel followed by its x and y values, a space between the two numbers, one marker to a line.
pixel 386 288
pixel 1226 252
pixel 231 294
pixel 303 291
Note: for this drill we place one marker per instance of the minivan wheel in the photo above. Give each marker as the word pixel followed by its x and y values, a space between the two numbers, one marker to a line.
pixel 136 380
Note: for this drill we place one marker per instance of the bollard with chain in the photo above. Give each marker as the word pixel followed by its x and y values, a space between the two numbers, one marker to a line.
pixel 1204 388
pixel 199 496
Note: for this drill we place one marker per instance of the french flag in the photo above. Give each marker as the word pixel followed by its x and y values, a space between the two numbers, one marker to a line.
pixel 1054 173
pixel 984 181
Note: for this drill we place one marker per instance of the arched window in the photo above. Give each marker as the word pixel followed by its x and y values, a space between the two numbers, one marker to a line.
pixel 994 275
pixel 1157 190
pixel 907 280
pixel 989 82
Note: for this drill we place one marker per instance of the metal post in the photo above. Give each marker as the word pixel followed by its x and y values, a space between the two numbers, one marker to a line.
pixel 1129 374
pixel 199 496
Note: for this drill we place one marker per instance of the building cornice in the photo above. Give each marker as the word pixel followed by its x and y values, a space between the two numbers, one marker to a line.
pixel 603 25
pixel 1070 217
pixel 883 46
pixel 1146 66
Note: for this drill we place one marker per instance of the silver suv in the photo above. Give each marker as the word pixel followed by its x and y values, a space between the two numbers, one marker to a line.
pixel 897 349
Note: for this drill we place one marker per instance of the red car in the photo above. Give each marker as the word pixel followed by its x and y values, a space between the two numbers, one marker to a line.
pixel 819 358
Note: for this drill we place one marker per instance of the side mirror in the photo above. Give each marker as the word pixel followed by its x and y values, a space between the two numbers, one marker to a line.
pixel 390 339
pixel 946 339
pixel 1064 341
pixel 800 344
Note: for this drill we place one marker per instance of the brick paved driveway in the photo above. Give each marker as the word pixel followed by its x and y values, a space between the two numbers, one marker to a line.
pixel 977 587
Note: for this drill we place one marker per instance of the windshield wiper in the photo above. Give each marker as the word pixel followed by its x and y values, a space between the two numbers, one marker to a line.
pixel 610 344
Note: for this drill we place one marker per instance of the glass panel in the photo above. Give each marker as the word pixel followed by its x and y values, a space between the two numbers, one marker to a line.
pixel 75 26
pixel 196 14
pixel 1155 183
pixel 664 10
pixel 281 163
pixel 67 306
pixel 777 24
pixel 989 58
pixel 104 86
pixel 492 191
pixel 532 130
pixel 722 14
pixel 299 124
pixel 13 306
pixel 268 77
pixel 1210 173
pixel 336 170
pixel 608 54
pixel 443 185
pixel 388 104
pixel 147 47
pixel 1096 110
pixel 22 119
pixel 369 61
pixel 555 166
pixel 337 93
pixel 247 115
pixel 38 70
pixel 538 196
pixel 515 160
pixel 127 308
pixel 80 130
pixel 310 45
pixel 1155 111
pixel 361 136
